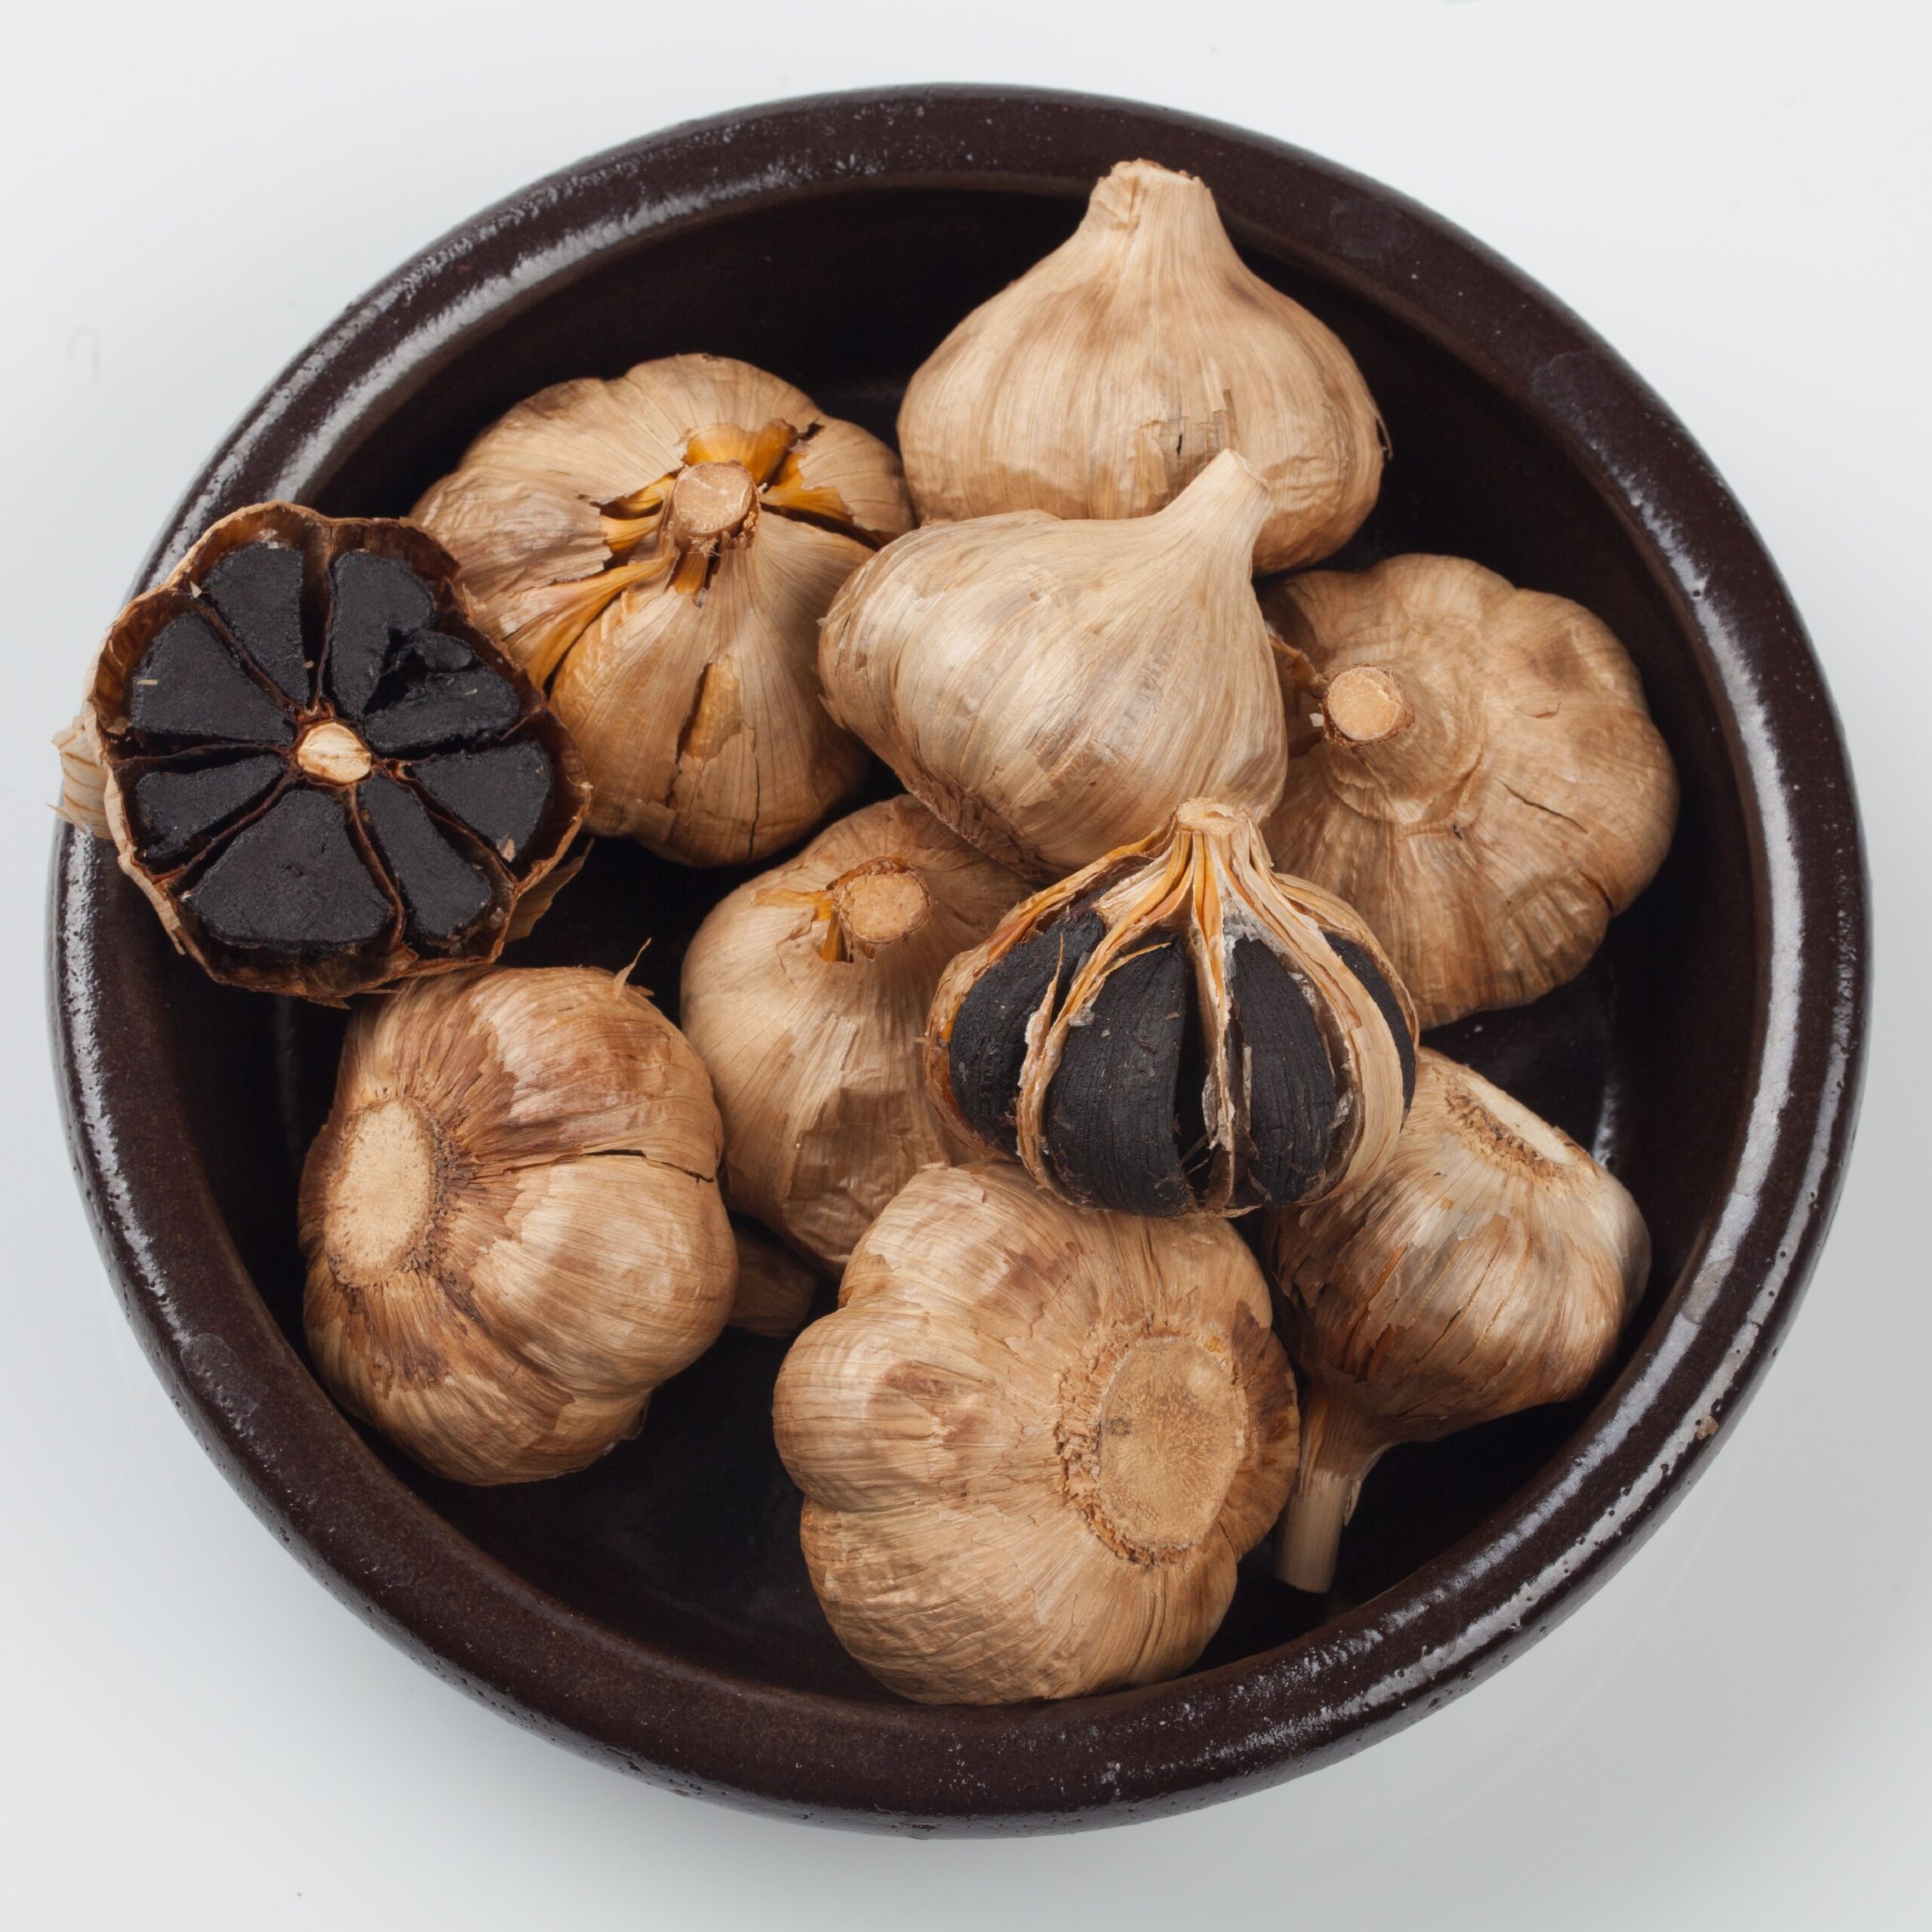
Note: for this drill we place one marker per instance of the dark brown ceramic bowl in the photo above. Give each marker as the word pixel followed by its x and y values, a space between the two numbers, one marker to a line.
pixel 654 1611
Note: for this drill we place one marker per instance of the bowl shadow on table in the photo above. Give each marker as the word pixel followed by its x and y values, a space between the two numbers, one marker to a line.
pixel 686 1538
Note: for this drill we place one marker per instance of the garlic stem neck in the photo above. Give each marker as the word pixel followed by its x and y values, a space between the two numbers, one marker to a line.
pixel 1363 704
pixel 714 506
pixel 875 905
pixel 1339 1447
pixel 1226 505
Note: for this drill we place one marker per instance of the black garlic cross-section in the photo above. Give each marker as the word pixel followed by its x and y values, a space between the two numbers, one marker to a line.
pixel 1178 1029
pixel 323 775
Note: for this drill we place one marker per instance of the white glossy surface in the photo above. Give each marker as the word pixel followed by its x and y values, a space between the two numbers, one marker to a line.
pixel 1734 1733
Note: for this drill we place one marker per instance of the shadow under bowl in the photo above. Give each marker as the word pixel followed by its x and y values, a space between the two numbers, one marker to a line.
pixel 654 1610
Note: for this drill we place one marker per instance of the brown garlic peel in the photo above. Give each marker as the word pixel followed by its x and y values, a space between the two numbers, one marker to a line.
pixel 1034 1442
pixel 658 550
pixel 1105 379
pixel 1054 689
pixel 775 1289
pixel 511 1220
pixel 1178 1029
pixel 805 993
pixel 1472 768
pixel 1488 1267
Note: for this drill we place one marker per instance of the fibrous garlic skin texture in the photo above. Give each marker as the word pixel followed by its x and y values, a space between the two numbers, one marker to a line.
pixel 1489 1267
pixel 511 1220
pixel 775 1288
pixel 1105 379
pixel 658 551
pixel 1054 690
pixel 1472 768
pixel 1034 1442
pixel 805 993
pixel 1178 1029
pixel 320 772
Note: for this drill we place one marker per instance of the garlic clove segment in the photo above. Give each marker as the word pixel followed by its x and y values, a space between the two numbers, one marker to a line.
pixel 1054 690
pixel 1490 1266
pixel 511 1220
pixel 1034 1442
pixel 805 993
pixel 657 550
pixel 1472 768
pixel 775 1289
pixel 1178 1029
pixel 1111 372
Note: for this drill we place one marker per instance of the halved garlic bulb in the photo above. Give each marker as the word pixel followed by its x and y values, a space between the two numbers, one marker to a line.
pixel 1107 378
pixel 1054 690
pixel 1178 1029
pixel 658 550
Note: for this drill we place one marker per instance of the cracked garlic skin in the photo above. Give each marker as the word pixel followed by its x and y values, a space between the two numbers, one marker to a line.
pixel 322 776
pixel 511 1220
pixel 1472 768
pixel 1052 689
pixel 805 994
pixel 1034 1442
pixel 1489 1267
pixel 658 551
pixel 1105 379
pixel 1178 1029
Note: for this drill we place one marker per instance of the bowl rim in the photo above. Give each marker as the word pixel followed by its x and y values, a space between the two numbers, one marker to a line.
pixel 256 1409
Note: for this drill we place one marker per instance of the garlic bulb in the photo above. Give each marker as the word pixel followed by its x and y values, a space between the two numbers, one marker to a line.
pixel 1054 690
pixel 658 550
pixel 1109 375
pixel 1471 766
pixel 1178 1027
pixel 1034 1442
pixel 805 994
pixel 511 1220
pixel 1489 1267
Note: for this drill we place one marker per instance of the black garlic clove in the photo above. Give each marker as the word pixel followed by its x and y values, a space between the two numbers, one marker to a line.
pixel 189 684
pixel 444 709
pixel 256 591
pixel 294 881
pixel 1355 957
pixel 1113 1127
pixel 175 811
pixel 501 794
pixel 1290 1084
pixel 443 894
pixel 373 599
pixel 987 1049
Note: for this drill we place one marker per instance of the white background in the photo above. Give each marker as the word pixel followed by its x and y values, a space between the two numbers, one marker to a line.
pixel 1733 1733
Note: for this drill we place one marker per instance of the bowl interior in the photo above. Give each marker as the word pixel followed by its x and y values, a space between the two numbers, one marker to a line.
pixel 686 1537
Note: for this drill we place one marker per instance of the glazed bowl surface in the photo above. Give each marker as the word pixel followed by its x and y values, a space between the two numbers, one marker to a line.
pixel 654 1611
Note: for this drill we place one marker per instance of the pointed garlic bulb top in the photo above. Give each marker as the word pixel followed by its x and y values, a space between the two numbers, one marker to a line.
pixel 1105 379
pixel 1488 1267
pixel 1034 1441
pixel 1052 689
pixel 658 550
pixel 511 1220
pixel 1472 768
pixel 805 994
pixel 1178 1029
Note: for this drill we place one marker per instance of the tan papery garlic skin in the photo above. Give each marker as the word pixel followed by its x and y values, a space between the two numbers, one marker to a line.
pixel 805 994
pixel 1054 690
pixel 775 1288
pixel 658 550
pixel 511 1220
pixel 1472 768
pixel 1034 1441
pixel 1488 1267
pixel 1105 379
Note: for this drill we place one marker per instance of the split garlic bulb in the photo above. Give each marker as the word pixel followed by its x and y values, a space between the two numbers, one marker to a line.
pixel 1489 1267
pixel 658 550
pixel 1472 768
pixel 1178 1029
pixel 1054 690
pixel 805 994
pixel 511 1220
pixel 1105 379
pixel 1034 1442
